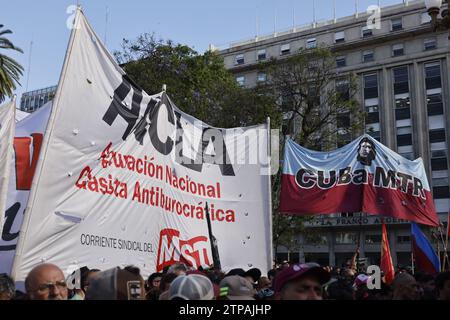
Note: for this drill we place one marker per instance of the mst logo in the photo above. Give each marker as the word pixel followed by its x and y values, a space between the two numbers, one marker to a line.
pixel 172 249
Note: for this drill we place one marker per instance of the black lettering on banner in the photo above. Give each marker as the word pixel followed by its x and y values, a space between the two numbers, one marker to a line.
pixel 163 147
pixel 384 180
pixel 326 183
pixel 360 176
pixel 117 108
pixel 404 181
pixel 193 164
pixel 418 189
pixel 142 126
pixel 305 179
pixel 10 216
pixel 220 156
pixel 345 176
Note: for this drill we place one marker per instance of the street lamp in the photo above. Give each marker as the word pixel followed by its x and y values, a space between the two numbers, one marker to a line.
pixel 434 7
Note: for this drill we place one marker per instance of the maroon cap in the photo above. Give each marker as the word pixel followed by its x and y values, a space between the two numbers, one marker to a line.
pixel 298 270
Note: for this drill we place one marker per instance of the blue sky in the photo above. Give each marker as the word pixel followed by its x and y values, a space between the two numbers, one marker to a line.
pixel 196 23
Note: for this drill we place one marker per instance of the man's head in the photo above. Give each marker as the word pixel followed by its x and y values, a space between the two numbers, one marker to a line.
pixel 117 284
pixel 301 282
pixel 405 287
pixel 178 268
pixel 443 285
pixel 191 287
pixel 236 288
pixel 366 151
pixel 7 287
pixel 46 282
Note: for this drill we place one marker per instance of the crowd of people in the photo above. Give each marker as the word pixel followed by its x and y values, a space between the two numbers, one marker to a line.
pixel 301 281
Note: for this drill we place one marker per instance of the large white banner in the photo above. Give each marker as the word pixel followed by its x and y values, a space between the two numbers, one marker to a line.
pixel 124 178
pixel 28 138
pixel 7 125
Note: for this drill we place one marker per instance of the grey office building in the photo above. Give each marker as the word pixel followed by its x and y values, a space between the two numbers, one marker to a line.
pixel 403 71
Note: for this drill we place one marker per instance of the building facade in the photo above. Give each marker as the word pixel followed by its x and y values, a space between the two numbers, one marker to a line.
pixel 403 72
pixel 33 100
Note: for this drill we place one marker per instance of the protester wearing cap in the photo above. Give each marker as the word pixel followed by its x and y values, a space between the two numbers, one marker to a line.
pixel 301 282
pixel 236 288
pixel 191 287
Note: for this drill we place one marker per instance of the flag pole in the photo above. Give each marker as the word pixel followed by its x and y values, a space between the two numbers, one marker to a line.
pixel 48 132
pixel 412 251
pixel 269 186
pixel 446 242
pixel 445 246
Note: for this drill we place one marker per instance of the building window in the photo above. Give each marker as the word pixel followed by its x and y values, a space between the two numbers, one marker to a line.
pixel 401 83
pixel 433 76
pixel 373 238
pixel 370 86
pixel 343 120
pixel 396 24
pixel 404 140
pixel 403 239
pixel 240 80
pixel 239 59
pixel 441 192
pixel 261 54
pixel 346 238
pixel 439 161
pixel 311 43
pixel 429 44
pixel 339 37
pixel 366 32
pixel 340 62
pixel 434 104
pixel 262 77
pixel 437 135
pixel 368 56
pixel 285 49
pixel 440 182
pixel 397 50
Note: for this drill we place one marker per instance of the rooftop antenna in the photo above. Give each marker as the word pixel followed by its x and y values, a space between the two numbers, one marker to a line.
pixel 275 22
pixel 257 23
pixel 356 8
pixel 106 23
pixel 314 13
pixel 29 64
pixel 293 17
pixel 334 11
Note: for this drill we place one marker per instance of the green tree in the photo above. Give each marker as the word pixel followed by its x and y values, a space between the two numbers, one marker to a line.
pixel 199 84
pixel 320 112
pixel 10 70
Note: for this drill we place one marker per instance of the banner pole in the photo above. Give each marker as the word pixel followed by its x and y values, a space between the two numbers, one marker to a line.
pixel 444 245
pixel 446 242
pixel 4 181
pixel 412 251
pixel 269 186
pixel 49 129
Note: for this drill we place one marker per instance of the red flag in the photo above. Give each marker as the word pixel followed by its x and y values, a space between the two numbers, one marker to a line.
pixel 448 224
pixel 386 260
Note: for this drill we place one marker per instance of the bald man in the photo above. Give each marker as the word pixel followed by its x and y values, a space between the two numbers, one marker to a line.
pixel 46 282
pixel 405 287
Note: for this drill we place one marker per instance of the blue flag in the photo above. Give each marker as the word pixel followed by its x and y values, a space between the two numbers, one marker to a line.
pixel 425 257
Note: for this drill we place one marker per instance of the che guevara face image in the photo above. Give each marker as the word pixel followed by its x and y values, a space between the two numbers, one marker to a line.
pixel 366 152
